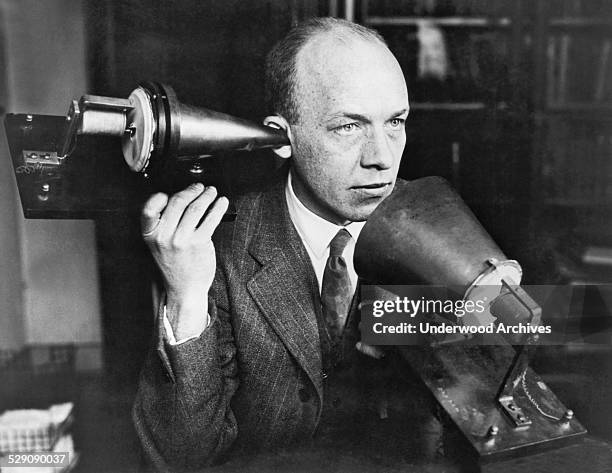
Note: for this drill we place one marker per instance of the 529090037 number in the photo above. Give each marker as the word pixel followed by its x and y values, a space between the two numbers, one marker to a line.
pixel 30 459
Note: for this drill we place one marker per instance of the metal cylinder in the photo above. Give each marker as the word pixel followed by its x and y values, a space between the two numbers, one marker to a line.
pixel 103 122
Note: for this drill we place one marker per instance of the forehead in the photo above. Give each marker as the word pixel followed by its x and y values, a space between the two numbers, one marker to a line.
pixel 348 75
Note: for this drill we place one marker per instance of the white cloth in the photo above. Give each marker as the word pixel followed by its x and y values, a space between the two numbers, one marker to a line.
pixel 316 233
pixel 171 339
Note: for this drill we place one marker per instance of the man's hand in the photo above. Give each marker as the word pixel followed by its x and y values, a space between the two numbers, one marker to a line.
pixel 181 244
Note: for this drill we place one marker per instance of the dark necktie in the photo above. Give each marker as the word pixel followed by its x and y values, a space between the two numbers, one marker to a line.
pixel 336 290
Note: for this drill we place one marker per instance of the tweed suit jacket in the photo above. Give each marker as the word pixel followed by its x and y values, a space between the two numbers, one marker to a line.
pixel 253 379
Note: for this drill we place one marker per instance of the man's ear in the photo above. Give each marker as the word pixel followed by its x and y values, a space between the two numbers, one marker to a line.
pixel 278 122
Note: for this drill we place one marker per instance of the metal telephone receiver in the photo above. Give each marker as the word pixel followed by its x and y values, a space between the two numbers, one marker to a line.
pixel 156 129
pixel 64 164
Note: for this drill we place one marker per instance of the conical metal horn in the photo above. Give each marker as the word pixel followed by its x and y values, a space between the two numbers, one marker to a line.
pixel 424 233
pixel 205 131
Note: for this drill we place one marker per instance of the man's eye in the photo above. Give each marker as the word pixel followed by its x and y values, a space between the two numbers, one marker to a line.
pixel 397 123
pixel 347 129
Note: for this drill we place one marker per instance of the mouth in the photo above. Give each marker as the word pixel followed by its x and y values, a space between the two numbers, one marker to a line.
pixel 372 186
pixel 374 189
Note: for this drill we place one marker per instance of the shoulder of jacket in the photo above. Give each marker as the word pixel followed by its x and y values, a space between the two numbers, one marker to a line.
pixel 234 236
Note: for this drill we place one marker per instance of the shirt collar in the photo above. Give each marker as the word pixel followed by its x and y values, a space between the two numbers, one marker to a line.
pixel 315 231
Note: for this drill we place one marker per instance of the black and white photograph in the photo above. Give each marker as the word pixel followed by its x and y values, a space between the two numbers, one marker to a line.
pixel 306 236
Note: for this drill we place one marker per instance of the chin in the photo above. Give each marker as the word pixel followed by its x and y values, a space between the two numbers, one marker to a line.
pixel 363 213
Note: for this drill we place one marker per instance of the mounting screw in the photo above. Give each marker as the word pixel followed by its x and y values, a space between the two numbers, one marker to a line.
pixel 196 169
pixel 44 192
pixel 131 130
pixel 493 431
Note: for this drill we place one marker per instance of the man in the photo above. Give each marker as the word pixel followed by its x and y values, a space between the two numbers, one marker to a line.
pixel 256 327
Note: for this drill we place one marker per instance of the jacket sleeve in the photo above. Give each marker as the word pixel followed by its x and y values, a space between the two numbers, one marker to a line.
pixel 182 411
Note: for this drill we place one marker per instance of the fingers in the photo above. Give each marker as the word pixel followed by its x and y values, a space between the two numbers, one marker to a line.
pixel 213 218
pixel 196 210
pixel 177 205
pixel 177 218
pixel 151 213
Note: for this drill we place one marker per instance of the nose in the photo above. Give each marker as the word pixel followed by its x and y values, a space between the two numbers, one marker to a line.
pixel 377 151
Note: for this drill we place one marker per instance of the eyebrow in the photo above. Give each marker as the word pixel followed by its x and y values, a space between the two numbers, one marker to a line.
pixel 363 118
pixel 401 112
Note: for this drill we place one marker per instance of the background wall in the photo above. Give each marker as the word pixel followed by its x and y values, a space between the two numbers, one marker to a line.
pixel 48 268
pixel 11 284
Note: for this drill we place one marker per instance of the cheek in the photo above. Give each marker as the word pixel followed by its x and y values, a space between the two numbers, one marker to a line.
pixel 401 145
pixel 398 150
pixel 322 157
pixel 308 157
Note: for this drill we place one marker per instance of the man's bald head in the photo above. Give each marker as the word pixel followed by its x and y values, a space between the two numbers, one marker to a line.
pixel 282 62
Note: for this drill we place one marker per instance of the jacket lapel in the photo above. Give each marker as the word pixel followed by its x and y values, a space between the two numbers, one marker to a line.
pixel 285 288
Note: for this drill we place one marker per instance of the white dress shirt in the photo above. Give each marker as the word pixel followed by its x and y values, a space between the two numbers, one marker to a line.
pixel 316 234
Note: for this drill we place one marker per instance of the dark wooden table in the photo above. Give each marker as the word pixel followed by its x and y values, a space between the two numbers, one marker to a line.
pixel 105 438
pixel 589 455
